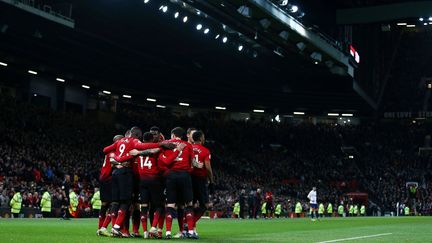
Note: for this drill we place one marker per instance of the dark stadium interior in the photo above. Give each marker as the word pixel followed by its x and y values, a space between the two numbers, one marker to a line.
pixel 274 117
pixel 127 44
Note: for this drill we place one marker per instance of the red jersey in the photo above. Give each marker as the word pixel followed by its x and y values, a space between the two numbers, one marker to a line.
pixel 124 145
pixel 181 162
pixel 105 173
pixel 161 160
pixel 201 155
pixel 147 165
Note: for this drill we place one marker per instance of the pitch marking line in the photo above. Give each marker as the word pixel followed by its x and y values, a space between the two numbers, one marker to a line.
pixel 356 238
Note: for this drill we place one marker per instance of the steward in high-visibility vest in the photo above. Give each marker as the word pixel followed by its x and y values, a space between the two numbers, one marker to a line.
pixel 298 209
pixel 329 210
pixel 236 210
pixel 362 210
pixel 407 211
pixel 341 210
pixel 45 204
pixel 96 203
pixel 321 210
pixel 351 210
pixel 278 210
pixel 15 204
pixel 356 211
pixel 73 203
pixel 263 210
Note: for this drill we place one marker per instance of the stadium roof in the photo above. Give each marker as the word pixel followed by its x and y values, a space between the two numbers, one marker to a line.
pixel 131 47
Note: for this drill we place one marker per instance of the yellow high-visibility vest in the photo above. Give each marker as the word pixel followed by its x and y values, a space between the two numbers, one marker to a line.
pixel 236 209
pixel 340 209
pixel 298 208
pixel 95 201
pixel 73 199
pixel 45 203
pixel 16 203
pixel 329 208
pixel 278 209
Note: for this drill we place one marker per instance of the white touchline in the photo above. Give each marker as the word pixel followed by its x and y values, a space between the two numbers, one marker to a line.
pixel 356 238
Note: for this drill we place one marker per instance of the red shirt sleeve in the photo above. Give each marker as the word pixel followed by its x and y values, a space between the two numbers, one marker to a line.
pixel 143 146
pixel 168 160
pixel 207 156
pixel 191 153
pixel 123 158
pixel 110 148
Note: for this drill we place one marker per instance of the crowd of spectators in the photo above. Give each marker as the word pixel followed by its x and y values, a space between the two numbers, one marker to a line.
pixel 38 147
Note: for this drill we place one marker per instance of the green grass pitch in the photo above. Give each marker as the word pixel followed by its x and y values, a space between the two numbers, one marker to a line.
pixel 368 229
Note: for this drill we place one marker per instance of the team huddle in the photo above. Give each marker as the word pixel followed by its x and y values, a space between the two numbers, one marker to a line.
pixel 152 179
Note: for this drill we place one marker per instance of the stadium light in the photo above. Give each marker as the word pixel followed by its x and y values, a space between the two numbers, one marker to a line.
pixel 106 92
pixel 32 72
pixel 283 3
pixel 127 96
pixel 151 99
pixel 60 80
pixel 347 114
pixel 146 1
pixel 161 106
pixel 410 25
pixel 298 113
pixel 176 15
pixel 401 24
pixel 206 31
pixel 240 47
pixel 225 39
pixel 85 86
pixel 3 64
pixel 220 108
pixel 185 19
pixel 421 19
pixel 183 104
pixel 258 111
pixel 332 114
pixel 199 26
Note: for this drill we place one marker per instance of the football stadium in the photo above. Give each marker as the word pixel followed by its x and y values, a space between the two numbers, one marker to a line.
pixel 215 121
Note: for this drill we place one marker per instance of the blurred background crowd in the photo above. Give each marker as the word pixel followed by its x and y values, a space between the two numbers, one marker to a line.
pixel 38 147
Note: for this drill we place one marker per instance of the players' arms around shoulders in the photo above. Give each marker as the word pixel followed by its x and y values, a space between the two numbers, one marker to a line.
pixel 168 156
pixel 113 146
pixel 135 152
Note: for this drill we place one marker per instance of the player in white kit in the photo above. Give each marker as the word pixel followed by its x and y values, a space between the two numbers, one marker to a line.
pixel 312 196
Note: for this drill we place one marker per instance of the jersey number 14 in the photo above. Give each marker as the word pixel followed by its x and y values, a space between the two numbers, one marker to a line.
pixel 147 163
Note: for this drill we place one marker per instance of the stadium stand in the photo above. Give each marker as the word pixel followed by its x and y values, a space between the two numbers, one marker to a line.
pixel 36 149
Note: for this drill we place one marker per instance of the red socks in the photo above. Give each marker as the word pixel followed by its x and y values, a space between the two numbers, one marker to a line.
pixel 120 218
pixel 190 218
pixel 106 221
